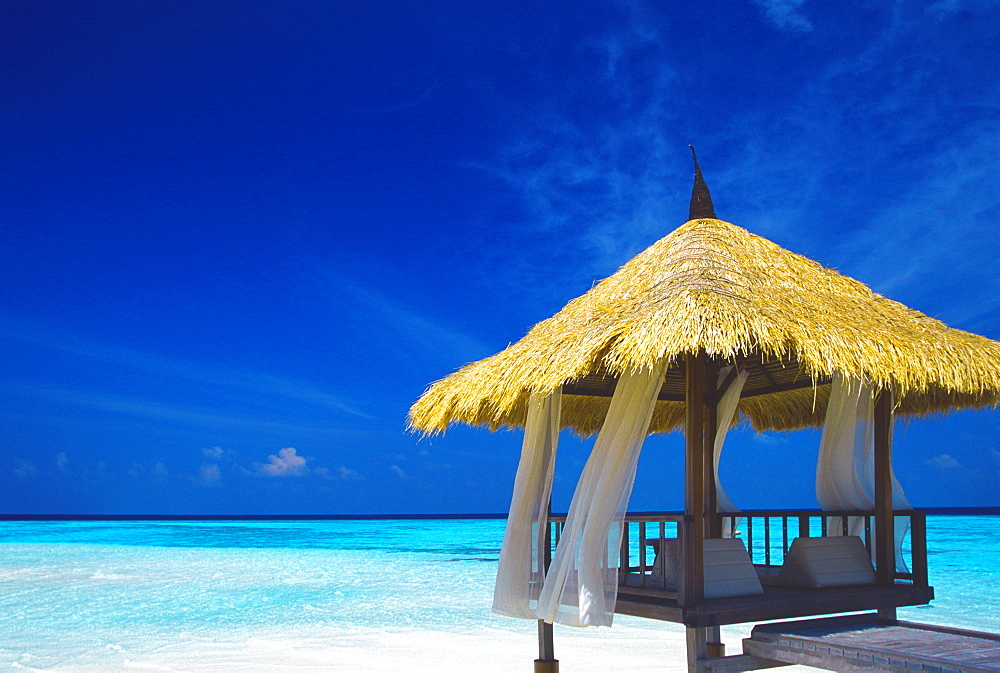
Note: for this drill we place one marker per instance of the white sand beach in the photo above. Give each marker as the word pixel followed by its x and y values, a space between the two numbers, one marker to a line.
pixel 624 647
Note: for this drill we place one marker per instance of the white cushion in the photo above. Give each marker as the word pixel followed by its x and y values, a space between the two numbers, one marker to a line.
pixel 728 569
pixel 819 562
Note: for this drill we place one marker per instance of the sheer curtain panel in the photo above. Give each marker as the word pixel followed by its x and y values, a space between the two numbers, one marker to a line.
pixel 726 410
pixel 845 472
pixel 581 587
pixel 521 569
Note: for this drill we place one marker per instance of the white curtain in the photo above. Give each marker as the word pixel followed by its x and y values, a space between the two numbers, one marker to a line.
pixel 724 418
pixel 521 570
pixel 845 472
pixel 581 586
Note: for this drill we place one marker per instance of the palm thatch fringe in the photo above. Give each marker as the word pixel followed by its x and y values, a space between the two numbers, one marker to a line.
pixel 714 287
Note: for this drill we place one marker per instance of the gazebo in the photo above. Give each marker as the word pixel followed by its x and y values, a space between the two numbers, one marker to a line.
pixel 709 327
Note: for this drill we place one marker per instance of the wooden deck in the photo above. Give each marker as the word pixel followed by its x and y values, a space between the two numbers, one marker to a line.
pixel 776 603
pixel 866 643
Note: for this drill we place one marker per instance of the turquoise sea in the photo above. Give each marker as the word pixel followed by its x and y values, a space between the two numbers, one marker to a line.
pixel 351 595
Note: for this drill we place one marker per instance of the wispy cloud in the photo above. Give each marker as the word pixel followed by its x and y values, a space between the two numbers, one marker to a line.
pixel 410 329
pixel 865 166
pixel 601 188
pixel 158 471
pixel 407 104
pixel 165 411
pixel 24 469
pixel 209 473
pixel 786 14
pixel 943 461
pixel 341 473
pixel 215 453
pixel 260 384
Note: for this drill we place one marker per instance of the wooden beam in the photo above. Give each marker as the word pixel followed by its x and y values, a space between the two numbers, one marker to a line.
pixel 774 604
pixel 797 384
pixel 767 374
pixel 713 520
pixel 692 589
pixel 605 387
pixel 885 562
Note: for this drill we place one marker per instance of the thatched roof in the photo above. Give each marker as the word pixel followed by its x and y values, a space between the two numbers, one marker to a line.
pixel 714 286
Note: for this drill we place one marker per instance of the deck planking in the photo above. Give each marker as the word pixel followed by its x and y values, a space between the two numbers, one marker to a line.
pixel 866 643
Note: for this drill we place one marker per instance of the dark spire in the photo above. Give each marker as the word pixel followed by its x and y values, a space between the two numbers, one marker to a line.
pixel 701 200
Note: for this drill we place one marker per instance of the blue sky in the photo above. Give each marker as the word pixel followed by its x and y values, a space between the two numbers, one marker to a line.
pixel 240 238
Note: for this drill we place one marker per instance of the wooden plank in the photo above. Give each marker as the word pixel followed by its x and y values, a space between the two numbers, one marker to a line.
pixel 737 663
pixel 867 642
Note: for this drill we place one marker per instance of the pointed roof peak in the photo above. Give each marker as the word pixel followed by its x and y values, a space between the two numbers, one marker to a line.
pixel 701 199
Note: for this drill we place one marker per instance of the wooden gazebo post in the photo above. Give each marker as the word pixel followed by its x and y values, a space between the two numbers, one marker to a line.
pixel 546 661
pixel 885 529
pixel 692 589
pixel 713 522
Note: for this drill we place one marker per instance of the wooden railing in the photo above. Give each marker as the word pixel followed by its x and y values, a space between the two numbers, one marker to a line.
pixel 767 535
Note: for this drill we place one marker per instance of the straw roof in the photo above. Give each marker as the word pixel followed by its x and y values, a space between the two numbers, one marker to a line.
pixel 713 286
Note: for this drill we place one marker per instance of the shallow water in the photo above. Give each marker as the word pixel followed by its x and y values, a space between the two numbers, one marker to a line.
pixel 341 595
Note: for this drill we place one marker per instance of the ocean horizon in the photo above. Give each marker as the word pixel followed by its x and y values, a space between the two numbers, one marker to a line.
pixel 943 511
pixel 82 593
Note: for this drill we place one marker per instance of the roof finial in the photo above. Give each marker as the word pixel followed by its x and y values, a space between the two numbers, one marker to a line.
pixel 701 200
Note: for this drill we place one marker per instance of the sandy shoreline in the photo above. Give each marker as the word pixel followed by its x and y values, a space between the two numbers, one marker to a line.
pixel 490 650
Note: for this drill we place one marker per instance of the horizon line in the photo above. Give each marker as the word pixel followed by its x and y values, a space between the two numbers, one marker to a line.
pixel 978 510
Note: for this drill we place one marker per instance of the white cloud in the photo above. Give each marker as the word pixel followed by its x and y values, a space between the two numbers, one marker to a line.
pixel 214 453
pixel 286 464
pixel 24 469
pixel 347 473
pixel 62 462
pixel 209 473
pixel 158 471
pixel 398 471
pixel 944 461
pixel 785 14
pixel 342 473
pixel 770 438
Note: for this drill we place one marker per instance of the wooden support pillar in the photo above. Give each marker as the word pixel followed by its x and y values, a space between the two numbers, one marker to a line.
pixel 697 646
pixel 714 647
pixel 692 589
pixel 885 545
pixel 713 520
pixel 546 661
